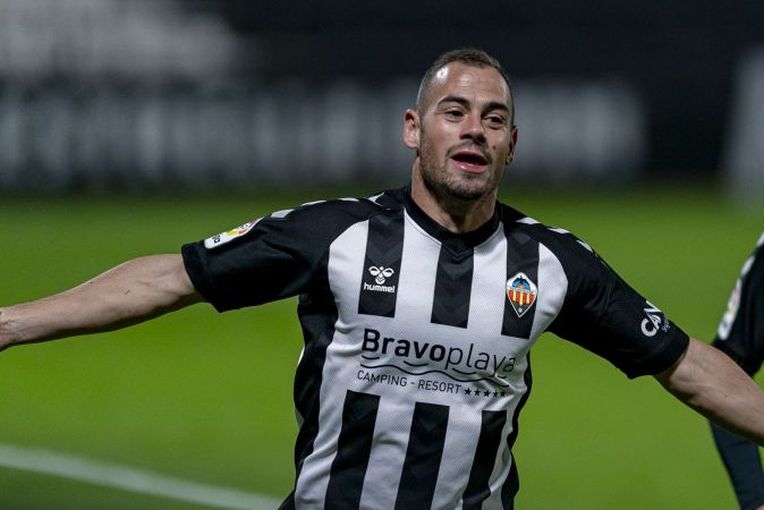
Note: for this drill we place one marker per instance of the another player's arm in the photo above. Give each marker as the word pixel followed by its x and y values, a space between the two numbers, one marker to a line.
pixel 741 336
pixel 135 291
pixel 708 381
pixel 741 459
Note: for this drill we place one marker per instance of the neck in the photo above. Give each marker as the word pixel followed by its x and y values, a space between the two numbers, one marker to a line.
pixel 452 213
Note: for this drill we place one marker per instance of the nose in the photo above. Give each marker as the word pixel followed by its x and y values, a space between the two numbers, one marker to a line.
pixel 473 129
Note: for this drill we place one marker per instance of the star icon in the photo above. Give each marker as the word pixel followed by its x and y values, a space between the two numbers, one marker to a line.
pixel 468 391
pixel 486 393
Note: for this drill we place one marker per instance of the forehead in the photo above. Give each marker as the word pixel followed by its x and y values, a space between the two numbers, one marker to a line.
pixel 477 84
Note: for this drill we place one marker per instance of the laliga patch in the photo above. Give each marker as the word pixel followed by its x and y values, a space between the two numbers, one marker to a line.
pixel 522 293
pixel 230 235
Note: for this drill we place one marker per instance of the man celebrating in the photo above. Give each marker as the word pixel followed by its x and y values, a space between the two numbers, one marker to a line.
pixel 419 307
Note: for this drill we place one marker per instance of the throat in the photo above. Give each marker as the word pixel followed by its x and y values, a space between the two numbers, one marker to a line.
pixel 452 213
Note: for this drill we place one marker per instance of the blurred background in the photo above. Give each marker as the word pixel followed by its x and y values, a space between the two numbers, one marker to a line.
pixel 128 127
pixel 145 95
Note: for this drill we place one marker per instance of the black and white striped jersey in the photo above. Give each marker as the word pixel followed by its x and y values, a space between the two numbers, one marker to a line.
pixel 741 330
pixel 741 336
pixel 415 363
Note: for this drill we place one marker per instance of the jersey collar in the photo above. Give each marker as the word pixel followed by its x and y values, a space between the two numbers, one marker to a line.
pixel 458 243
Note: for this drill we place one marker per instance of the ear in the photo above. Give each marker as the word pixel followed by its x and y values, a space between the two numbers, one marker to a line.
pixel 411 129
pixel 512 145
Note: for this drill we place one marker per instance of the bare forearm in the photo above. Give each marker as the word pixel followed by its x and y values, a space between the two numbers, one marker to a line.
pixel 129 293
pixel 712 384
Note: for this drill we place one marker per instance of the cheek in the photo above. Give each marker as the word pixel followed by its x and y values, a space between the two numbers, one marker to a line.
pixel 432 146
pixel 501 148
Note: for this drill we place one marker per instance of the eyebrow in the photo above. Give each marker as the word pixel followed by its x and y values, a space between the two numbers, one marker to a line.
pixel 493 105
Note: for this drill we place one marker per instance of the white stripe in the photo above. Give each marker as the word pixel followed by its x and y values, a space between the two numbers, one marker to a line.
pixel 345 271
pixel 554 282
pixel 281 214
pixel 129 479
pixel 391 430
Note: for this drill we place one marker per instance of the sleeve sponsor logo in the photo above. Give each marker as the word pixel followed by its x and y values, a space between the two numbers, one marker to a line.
pixel 229 235
pixel 654 322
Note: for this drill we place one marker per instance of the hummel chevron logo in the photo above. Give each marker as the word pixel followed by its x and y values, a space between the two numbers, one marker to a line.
pixel 381 273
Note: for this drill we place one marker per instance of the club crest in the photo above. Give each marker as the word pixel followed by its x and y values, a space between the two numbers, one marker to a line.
pixel 521 292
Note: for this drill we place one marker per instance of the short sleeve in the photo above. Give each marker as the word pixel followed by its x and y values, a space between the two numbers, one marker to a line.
pixel 741 330
pixel 603 314
pixel 270 258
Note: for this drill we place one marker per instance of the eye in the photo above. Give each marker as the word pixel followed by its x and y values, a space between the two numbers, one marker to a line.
pixel 496 120
pixel 454 113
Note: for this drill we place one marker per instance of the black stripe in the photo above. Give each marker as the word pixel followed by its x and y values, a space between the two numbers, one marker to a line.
pixel 318 315
pixel 453 287
pixel 512 485
pixel 382 266
pixel 522 257
pixel 423 456
pixel 353 449
pixel 288 503
pixel 478 488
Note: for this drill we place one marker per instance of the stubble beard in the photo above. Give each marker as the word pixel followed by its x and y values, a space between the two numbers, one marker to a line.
pixel 455 187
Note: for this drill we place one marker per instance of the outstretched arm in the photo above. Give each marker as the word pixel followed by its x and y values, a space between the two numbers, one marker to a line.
pixel 708 381
pixel 132 292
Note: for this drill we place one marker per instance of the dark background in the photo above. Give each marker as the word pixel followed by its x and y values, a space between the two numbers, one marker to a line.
pixel 679 55
pixel 141 95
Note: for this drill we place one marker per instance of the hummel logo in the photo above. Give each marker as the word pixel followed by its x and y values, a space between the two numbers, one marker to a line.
pixel 381 273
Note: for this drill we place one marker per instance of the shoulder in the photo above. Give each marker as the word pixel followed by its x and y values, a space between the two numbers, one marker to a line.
pixel 561 242
pixel 308 226
pixel 585 272
pixel 758 255
pixel 337 213
pixel 752 273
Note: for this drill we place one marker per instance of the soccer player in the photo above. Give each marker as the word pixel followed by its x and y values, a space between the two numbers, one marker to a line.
pixel 419 307
pixel 741 336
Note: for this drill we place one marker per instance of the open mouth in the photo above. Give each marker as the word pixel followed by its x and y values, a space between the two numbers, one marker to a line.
pixel 470 161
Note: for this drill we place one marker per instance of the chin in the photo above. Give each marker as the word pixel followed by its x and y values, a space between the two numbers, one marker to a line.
pixel 465 191
pixel 473 186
